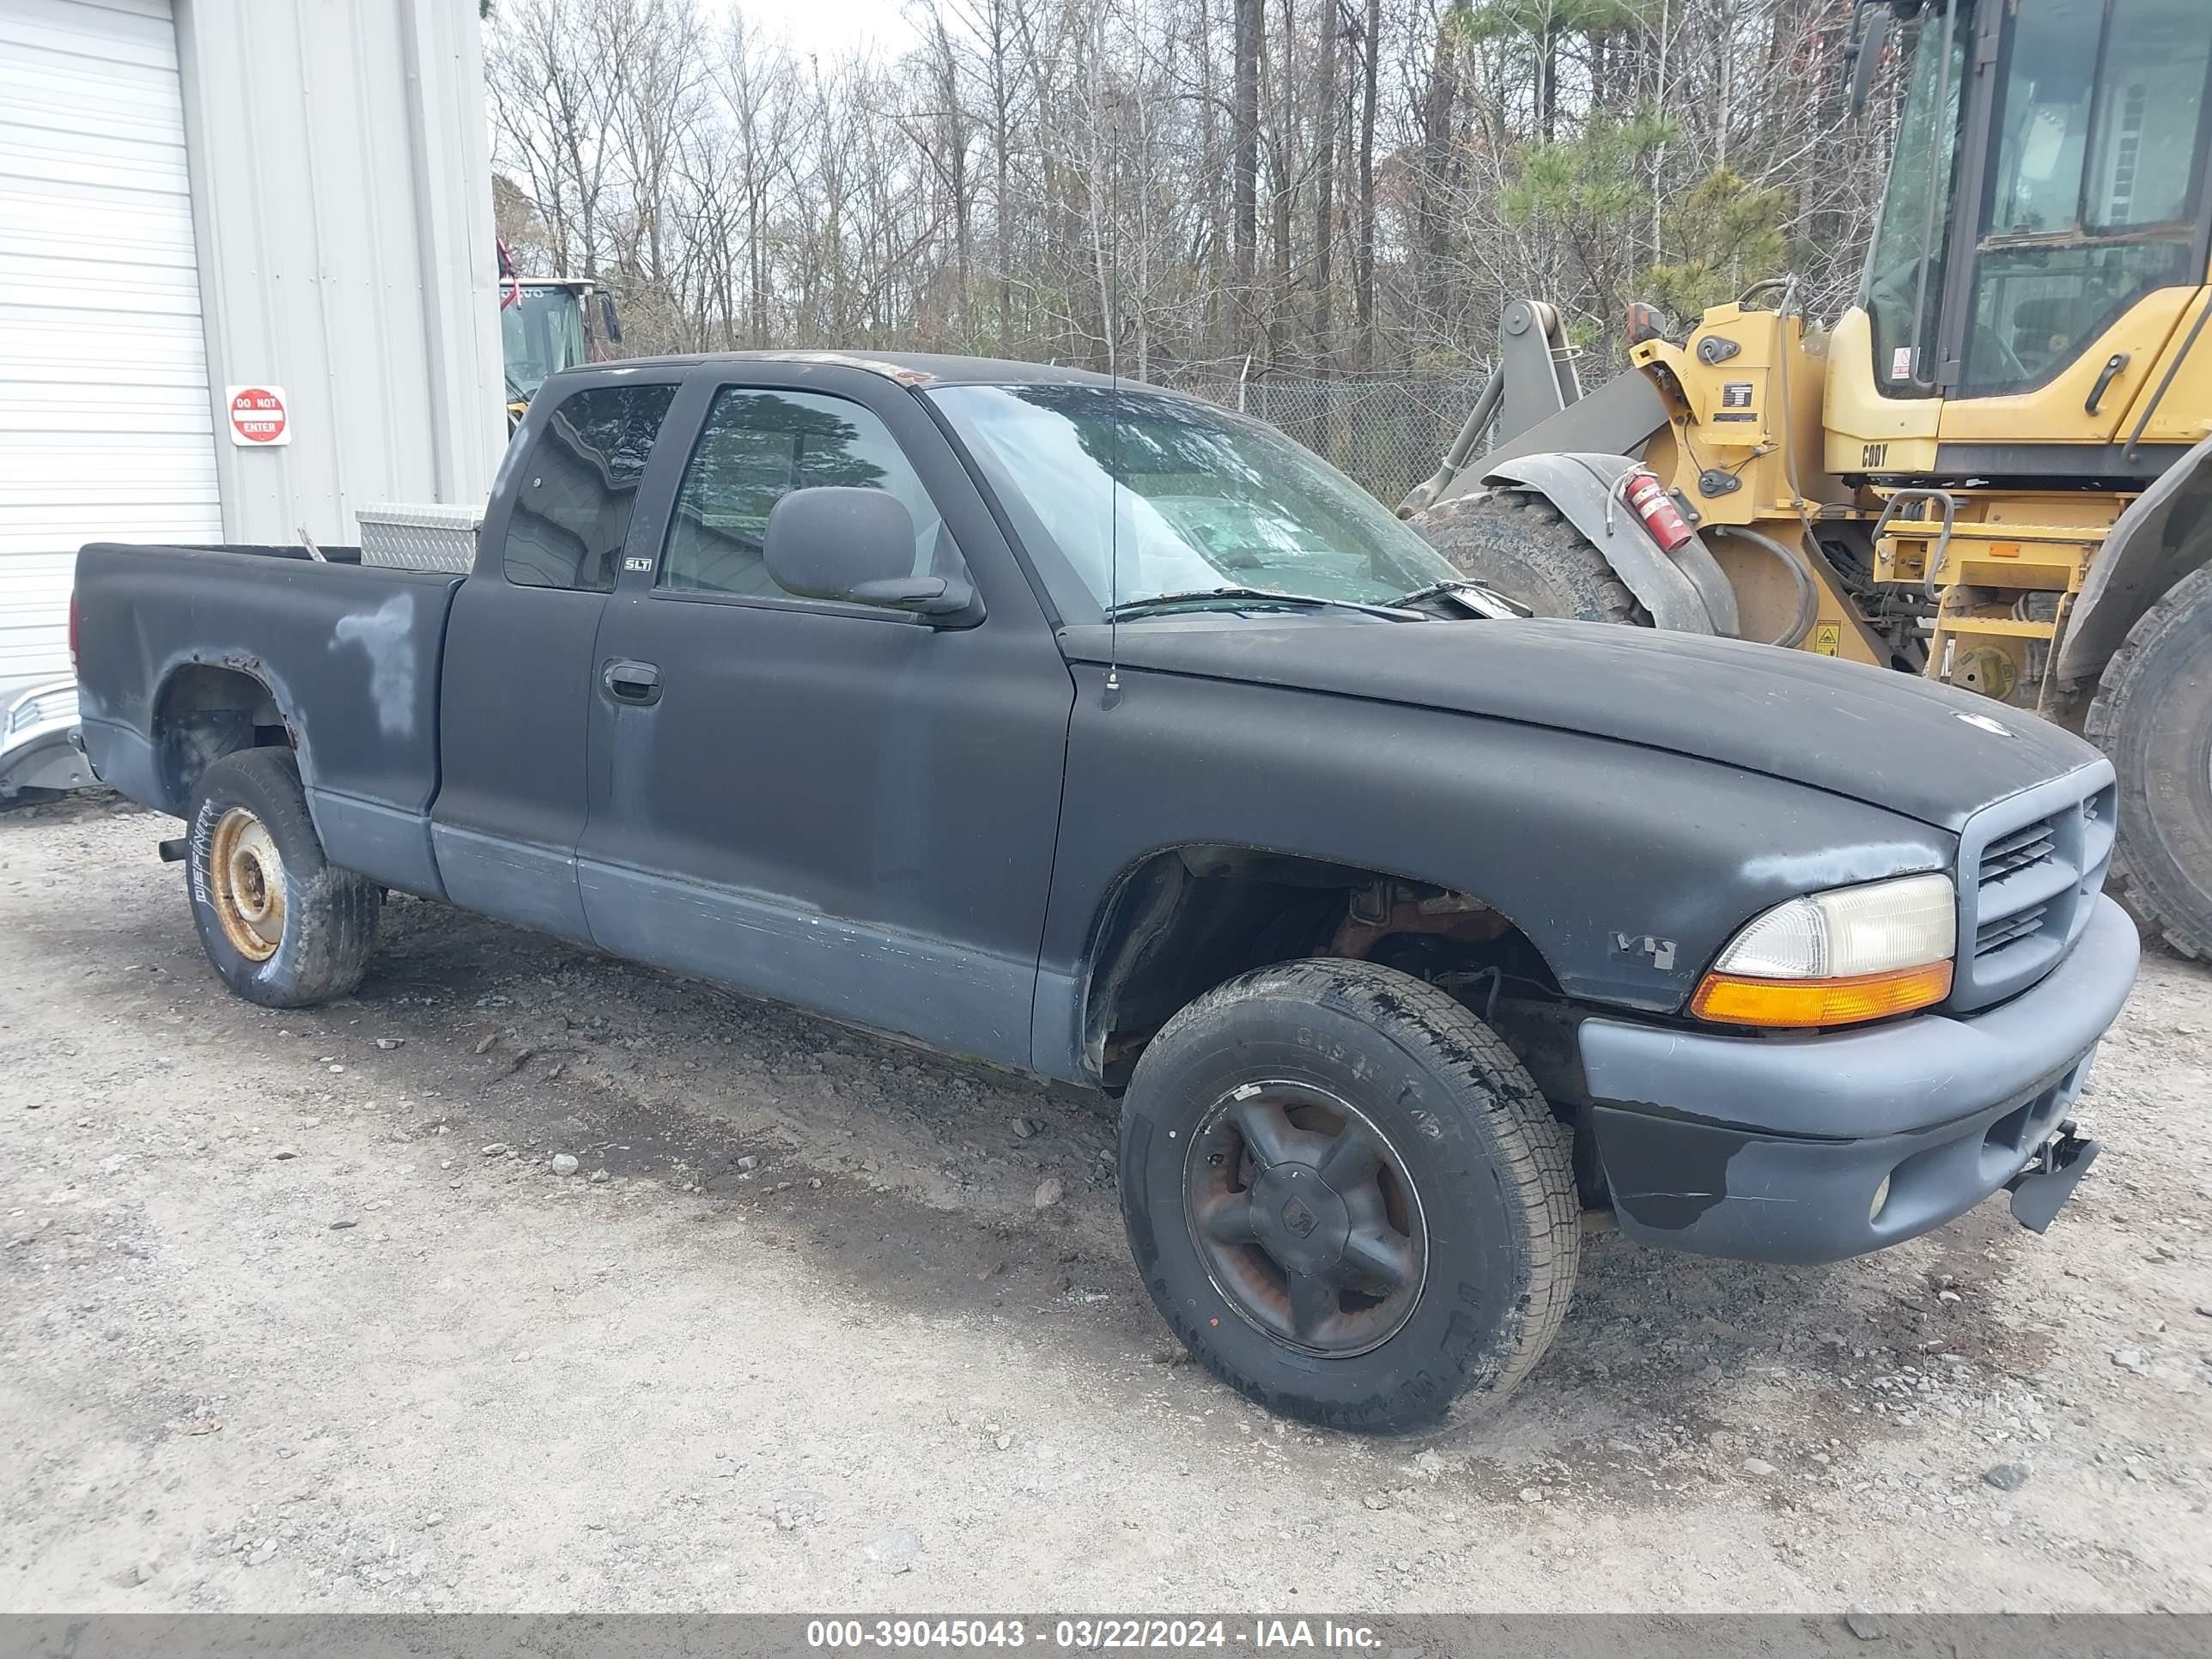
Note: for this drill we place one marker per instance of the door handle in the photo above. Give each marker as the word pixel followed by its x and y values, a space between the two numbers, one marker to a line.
pixel 2113 365
pixel 636 684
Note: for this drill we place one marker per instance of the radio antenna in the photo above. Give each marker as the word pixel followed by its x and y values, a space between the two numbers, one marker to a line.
pixel 1109 251
pixel 1113 533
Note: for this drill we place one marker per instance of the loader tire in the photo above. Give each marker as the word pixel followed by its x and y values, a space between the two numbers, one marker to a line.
pixel 1517 543
pixel 2152 716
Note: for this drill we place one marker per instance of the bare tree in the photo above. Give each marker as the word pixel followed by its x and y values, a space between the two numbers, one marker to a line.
pixel 1324 219
pixel 1371 47
pixel 1084 179
pixel 1251 23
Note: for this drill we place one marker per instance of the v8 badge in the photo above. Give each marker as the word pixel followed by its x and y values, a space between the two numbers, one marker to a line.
pixel 1660 953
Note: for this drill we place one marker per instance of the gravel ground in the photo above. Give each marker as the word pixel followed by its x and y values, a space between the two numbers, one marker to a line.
pixel 298 1315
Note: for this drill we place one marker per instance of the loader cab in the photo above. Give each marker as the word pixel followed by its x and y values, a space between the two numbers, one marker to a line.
pixel 545 327
pixel 2042 244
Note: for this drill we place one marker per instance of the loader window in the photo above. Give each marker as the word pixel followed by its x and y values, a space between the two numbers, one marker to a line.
pixel 2098 171
pixel 541 333
pixel 1916 209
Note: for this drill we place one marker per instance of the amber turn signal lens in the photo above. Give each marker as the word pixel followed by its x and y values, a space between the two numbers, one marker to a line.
pixel 1739 999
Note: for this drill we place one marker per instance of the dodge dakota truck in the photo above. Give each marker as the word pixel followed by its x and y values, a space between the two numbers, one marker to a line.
pixel 1076 726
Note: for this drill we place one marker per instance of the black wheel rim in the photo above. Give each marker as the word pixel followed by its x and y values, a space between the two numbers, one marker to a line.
pixel 1306 1218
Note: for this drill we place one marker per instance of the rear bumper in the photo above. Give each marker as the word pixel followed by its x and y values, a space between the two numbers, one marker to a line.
pixel 1775 1150
pixel 126 761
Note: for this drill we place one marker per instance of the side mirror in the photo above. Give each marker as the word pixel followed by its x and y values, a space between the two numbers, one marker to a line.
pixel 836 542
pixel 1866 61
pixel 610 323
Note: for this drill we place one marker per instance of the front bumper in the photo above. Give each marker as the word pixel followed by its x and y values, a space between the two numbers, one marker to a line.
pixel 1775 1149
pixel 37 724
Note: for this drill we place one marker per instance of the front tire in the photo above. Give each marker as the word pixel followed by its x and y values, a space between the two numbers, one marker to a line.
pixel 282 925
pixel 1347 1198
pixel 2153 715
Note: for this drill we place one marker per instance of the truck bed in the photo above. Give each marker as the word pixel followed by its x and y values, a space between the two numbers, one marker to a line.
pixel 181 648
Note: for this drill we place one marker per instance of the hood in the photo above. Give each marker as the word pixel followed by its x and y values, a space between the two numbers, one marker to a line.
pixel 1892 740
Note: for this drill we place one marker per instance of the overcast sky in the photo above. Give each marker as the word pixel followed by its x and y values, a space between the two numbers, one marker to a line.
pixel 831 25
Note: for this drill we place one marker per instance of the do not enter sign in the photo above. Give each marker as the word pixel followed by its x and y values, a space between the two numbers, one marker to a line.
pixel 257 416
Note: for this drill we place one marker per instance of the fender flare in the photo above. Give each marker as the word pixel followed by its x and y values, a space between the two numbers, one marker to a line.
pixel 1687 593
pixel 2165 534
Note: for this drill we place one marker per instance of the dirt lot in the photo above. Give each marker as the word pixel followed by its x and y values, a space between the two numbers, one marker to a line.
pixel 297 1315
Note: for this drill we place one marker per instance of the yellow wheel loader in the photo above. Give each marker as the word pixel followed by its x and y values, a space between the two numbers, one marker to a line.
pixel 1996 470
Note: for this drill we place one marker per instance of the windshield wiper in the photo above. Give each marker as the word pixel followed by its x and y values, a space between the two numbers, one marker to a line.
pixel 1235 596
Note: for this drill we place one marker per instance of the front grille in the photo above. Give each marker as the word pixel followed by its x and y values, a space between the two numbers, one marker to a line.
pixel 2017 850
pixel 1995 935
pixel 2029 870
pixel 27 712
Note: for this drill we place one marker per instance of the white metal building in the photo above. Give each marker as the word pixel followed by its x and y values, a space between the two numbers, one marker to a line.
pixel 199 195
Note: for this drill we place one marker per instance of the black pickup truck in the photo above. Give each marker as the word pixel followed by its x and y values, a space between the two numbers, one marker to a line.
pixel 1080 727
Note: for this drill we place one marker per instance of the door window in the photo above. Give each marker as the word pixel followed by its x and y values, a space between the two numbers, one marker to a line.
pixel 756 448
pixel 579 485
pixel 2099 170
pixel 1903 286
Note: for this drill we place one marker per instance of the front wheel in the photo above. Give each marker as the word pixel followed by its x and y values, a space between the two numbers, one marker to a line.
pixel 1347 1197
pixel 283 925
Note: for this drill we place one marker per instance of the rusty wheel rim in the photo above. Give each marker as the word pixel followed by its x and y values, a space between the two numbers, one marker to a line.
pixel 1306 1218
pixel 246 882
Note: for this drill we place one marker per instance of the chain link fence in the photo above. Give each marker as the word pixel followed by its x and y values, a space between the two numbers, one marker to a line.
pixel 1387 433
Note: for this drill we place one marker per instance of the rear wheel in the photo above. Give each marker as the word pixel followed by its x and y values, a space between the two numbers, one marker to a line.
pixel 2153 715
pixel 1347 1197
pixel 284 926
pixel 1518 544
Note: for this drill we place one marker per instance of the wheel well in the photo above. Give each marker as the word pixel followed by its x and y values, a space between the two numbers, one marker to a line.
pixel 2163 538
pixel 203 713
pixel 1185 919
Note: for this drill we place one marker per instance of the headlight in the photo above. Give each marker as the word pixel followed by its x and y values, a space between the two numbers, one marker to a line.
pixel 1834 958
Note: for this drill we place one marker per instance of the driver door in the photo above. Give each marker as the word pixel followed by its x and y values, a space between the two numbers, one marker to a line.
pixel 828 803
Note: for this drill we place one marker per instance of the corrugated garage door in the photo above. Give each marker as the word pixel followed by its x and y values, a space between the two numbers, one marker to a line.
pixel 104 422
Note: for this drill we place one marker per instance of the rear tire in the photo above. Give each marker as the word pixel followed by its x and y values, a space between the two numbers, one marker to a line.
pixel 1347 1198
pixel 1518 544
pixel 2153 715
pixel 282 926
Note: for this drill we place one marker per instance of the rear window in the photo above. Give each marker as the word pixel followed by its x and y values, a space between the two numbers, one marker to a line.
pixel 579 485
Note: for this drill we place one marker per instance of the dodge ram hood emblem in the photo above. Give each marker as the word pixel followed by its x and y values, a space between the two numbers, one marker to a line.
pixel 1985 722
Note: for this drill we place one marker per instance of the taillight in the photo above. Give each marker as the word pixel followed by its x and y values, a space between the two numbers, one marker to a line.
pixel 1657 508
pixel 72 629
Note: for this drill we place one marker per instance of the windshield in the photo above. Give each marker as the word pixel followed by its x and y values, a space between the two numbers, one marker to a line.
pixel 540 334
pixel 1205 499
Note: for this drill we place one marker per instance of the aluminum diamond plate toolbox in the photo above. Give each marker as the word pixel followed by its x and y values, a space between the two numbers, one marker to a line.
pixel 431 535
